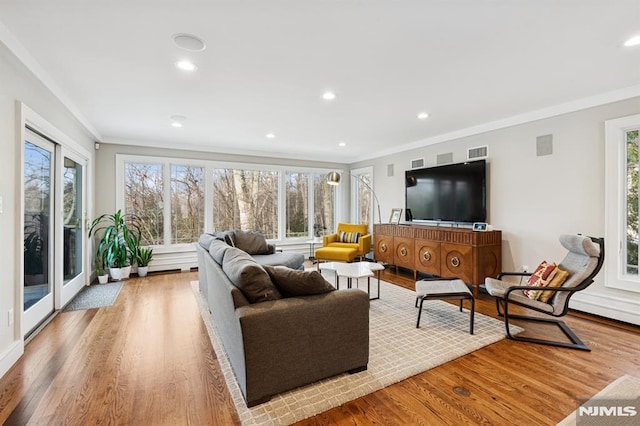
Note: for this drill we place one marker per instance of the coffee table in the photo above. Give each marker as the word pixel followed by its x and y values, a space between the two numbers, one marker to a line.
pixel 354 270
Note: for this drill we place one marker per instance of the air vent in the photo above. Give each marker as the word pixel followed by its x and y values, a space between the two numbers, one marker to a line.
pixel 389 169
pixel 544 145
pixel 444 158
pixel 478 152
pixel 417 163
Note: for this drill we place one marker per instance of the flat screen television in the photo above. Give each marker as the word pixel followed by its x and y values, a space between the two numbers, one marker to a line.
pixel 454 193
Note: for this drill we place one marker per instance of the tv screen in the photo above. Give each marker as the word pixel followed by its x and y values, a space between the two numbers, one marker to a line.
pixel 449 193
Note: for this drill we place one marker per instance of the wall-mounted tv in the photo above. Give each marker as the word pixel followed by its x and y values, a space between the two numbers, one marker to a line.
pixel 454 193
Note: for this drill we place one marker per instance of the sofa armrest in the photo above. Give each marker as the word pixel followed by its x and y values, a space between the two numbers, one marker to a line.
pixel 298 340
pixel 328 239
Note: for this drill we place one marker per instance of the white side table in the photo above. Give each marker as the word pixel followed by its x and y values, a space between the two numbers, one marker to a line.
pixel 312 247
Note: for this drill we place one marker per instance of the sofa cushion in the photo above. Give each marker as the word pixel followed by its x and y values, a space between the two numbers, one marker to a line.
pixel 248 276
pixel 289 259
pixel 293 282
pixel 224 236
pixel 252 242
pixel 205 240
pixel 217 249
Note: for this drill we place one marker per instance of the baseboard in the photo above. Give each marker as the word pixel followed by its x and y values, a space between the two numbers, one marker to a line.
pixel 10 356
pixel 616 308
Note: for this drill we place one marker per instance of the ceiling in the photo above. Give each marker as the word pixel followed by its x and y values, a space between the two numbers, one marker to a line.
pixel 267 63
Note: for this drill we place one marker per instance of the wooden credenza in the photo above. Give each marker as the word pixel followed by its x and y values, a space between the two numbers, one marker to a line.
pixel 444 252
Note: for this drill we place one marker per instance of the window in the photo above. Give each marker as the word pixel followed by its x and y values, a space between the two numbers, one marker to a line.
pixel 144 197
pixel 247 200
pixel 621 189
pixel 179 199
pixel 297 199
pixel 187 203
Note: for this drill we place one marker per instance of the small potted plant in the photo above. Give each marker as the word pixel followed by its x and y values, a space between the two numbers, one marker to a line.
pixel 103 277
pixel 143 257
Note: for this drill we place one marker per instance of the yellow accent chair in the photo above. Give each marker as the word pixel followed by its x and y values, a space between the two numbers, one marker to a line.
pixel 350 241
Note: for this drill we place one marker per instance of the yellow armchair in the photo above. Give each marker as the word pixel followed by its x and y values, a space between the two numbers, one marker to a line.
pixel 363 244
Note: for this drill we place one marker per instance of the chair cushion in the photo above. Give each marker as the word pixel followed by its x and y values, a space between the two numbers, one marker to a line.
pixel 251 278
pixel 557 281
pixel 292 282
pixel 342 254
pixel 497 288
pixel 540 278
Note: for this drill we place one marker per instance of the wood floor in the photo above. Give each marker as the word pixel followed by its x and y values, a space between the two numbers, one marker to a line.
pixel 148 360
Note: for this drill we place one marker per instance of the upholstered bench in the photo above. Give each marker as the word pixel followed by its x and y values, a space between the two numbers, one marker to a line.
pixel 340 254
pixel 443 289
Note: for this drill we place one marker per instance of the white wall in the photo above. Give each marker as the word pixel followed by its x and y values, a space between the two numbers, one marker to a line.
pixel 535 199
pixel 17 83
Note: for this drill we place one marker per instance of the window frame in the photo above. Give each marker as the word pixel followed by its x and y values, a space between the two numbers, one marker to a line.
pixel 209 166
pixel 616 196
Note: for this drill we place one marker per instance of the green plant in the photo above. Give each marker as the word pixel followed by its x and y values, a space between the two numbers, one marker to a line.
pixel 144 256
pixel 98 263
pixel 118 237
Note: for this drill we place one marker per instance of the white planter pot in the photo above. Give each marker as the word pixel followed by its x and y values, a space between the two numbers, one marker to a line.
pixel 142 271
pixel 126 271
pixel 116 273
pixel 103 279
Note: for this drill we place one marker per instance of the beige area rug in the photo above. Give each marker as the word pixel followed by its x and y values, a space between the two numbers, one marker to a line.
pixel 397 350
pixel 614 405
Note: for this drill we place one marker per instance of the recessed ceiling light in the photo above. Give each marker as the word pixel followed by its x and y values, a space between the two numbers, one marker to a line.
pixel 188 42
pixel 270 136
pixel 342 144
pixel 633 41
pixel 423 115
pixel 186 66
pixel 328 96
pixel 176 120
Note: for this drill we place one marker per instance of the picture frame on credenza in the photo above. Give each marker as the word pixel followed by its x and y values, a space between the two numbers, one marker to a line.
pixel 395 216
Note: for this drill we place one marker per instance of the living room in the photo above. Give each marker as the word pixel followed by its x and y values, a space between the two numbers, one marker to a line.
pixel 532 197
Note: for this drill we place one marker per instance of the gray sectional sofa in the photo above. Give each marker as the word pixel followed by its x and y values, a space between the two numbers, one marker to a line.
pixel 281 328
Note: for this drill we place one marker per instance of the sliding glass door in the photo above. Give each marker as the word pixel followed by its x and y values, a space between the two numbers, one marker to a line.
pixel 38 238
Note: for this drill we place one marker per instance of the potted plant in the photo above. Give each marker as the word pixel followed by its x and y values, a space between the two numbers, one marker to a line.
pixel 117 235
pixel 143 257
pixel 103 277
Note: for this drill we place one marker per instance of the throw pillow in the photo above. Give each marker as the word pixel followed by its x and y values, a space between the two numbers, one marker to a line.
pixel 252 242
pixel 559 279
pixel 540 277
pixel 251 278
pixel 224 236
pixel 293 282
pixel 349 237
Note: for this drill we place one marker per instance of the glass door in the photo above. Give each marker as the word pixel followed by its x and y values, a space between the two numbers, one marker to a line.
pixel 38 238
pixel 72 230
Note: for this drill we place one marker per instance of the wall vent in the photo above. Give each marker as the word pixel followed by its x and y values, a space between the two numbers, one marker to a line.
pixel 389 170
pixel 418 163
pixel 444 158
pixel 478 152
pixel 544 145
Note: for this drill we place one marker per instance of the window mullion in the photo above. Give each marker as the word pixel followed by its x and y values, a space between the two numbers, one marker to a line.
pixel 166 210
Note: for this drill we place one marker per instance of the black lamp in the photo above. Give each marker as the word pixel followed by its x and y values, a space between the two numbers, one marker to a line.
pixel 333 178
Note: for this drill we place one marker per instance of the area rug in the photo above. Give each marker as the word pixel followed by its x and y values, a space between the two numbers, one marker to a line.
pixel 95 296
pixel 397 350
pixel 613 405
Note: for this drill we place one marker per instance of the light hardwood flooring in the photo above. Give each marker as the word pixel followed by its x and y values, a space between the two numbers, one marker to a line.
pixel 147 360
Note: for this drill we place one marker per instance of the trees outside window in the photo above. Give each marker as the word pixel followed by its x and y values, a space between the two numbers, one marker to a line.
pixel 247 200
pixel 144 186
pixel 187 203
pixel 631 138
pixel 177 200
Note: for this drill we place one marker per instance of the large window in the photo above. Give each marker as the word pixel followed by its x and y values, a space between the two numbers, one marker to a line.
pixel 178 199
pixel 247 200
pixel 622 184
pixel 144 197
pixel 187 203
